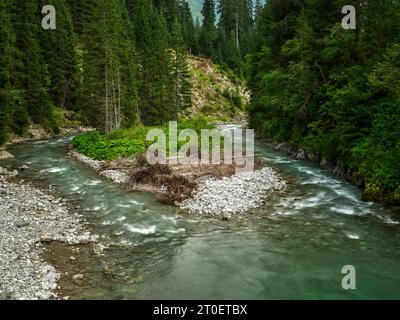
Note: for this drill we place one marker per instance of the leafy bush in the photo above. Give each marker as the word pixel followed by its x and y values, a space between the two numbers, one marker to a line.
pixel 379 154
pixel 99 147
pixel 128 142
pixel 234 98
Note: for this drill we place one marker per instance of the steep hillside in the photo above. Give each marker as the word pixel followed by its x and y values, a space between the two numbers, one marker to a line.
pixel 217 94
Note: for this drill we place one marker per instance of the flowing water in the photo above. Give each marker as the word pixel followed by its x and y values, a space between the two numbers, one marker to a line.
pixel 293 248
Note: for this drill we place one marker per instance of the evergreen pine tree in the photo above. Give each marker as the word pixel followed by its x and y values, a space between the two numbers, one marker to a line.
pixel 236 18
pixel 169 9
pixel 6 42
pixel 30 77
pixel 154 77
pixel 208 32
pixel 78 13
pixel 59 53
pixel 198 25
pixel 108 91
pixel 188 27
pixel 258 7
pixel 180 75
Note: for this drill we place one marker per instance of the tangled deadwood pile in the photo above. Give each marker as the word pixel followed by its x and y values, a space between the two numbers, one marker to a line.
pixel 178 188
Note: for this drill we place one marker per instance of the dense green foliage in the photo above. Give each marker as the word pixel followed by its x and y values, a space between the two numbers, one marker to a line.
pixel 116 63
pixel 5 72
pixel 128 142
pixel 227 31
pixel 331 91
pixel 99 146
pixel 123 64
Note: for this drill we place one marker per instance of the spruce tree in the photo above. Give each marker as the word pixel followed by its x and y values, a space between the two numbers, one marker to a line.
pixel 79 12
pixel 188 27
pixel 30 76
pixel 6 42
pixel 180 72
pixel 236 18
pixel 198 25
pixel 169 9
pixel 154 77
pixel 258 7
pixel 59 52
pixel 129 71
pixel 208 32
pixel 108 91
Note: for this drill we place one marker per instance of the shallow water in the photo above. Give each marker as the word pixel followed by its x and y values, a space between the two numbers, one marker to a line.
pixel 293 248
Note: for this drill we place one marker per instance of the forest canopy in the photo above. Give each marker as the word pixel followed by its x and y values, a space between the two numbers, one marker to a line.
pixel 329 91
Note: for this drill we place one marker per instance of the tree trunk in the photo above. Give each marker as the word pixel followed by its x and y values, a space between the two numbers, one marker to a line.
pixel 237 25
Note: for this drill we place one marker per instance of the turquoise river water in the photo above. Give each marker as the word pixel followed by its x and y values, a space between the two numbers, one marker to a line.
pixel 292 248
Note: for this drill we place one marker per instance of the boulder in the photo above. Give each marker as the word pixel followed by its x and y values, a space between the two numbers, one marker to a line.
pixel 78 278
pixel 21 224
pixel 8 174
pixel 4 155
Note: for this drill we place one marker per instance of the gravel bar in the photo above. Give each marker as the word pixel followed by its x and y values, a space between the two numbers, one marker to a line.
pixel 30 218
pixel 230 196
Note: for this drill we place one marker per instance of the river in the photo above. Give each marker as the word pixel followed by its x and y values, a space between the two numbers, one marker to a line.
pixel 292 248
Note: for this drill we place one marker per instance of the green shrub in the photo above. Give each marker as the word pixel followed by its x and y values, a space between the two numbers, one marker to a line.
pixel 234 98
pixel 378 154
pixel 128 142
pixel 99 147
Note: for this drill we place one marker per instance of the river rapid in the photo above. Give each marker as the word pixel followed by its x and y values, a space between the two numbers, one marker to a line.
pixel 294 247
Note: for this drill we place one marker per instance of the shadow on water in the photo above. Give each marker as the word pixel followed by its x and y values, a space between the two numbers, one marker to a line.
pixel 294 248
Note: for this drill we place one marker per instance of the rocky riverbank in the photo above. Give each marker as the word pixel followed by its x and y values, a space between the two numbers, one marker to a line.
pixel 300 154
pixel 30 218
pixel 204 190
pixel 37 132
pixel 235 195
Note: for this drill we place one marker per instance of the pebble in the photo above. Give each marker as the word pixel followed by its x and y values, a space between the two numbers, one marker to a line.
pixel 8 174
pixel 30 218
pixel 115 176
pixel 225 197
pixel 235 195
pixel 78 278
pixel 21 224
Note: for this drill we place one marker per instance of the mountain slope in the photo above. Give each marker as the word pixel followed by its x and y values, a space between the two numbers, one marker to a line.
pixel 216 94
